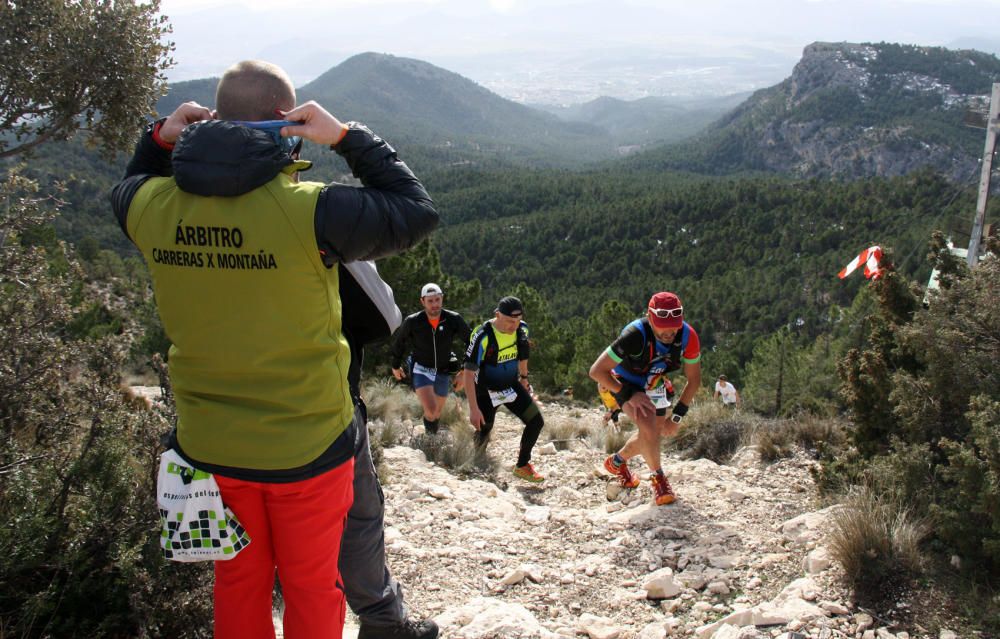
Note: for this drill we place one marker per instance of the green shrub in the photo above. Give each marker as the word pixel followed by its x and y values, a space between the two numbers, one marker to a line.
pixel 79 552
pixel 923 395
pixel 973 480
pixel 95 321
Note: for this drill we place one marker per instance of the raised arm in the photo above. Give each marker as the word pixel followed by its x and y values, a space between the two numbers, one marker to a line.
pixel 151 157
pixel 389 214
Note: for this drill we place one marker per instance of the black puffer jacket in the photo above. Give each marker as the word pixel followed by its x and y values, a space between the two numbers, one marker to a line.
pixel 218 158
pixel 431 347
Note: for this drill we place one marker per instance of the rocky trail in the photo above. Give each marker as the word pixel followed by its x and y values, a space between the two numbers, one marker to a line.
pixel 740 554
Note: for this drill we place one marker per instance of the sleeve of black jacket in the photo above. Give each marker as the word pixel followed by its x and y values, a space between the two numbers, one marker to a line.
pixel 399 341
pixel 389 214
pixel 148 160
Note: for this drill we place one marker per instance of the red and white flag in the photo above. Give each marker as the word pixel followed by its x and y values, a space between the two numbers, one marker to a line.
pixel 870 257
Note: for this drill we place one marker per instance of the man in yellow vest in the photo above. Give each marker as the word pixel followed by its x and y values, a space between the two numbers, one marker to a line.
pixel 242 258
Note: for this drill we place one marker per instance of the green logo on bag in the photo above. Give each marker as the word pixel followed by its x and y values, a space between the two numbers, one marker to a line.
pixel 186 473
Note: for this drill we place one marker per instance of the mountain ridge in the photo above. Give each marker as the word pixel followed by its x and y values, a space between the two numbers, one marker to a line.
pixel 851 110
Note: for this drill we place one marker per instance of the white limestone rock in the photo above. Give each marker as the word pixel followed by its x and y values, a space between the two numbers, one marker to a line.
pixel 485 618
pixel 535 515
pixel 817 561
pixel 834 608
pixel 653 631
pixel 598 627
pixel 439 492
pixel 661 584
pixel 808 527
pixel 547 449
pixel 864 621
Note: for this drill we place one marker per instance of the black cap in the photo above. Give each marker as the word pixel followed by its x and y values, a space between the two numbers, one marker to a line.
pixel 510 305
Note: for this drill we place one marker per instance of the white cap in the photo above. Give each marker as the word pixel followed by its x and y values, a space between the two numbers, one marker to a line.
pixel 430 289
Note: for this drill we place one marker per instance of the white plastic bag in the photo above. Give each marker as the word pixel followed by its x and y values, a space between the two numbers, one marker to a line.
pixel 194 523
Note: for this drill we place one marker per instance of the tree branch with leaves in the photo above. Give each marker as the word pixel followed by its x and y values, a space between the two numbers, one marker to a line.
pixel 91 65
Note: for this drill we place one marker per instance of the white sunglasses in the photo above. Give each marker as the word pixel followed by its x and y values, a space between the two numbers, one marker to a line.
pixel 664 313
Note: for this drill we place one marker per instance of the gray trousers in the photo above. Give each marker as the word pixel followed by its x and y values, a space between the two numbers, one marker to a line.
pixel 371 592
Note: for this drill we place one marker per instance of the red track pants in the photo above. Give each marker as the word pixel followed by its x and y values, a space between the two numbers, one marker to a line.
pixel 296 528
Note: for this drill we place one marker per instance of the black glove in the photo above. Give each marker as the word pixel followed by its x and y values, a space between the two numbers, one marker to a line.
pixel 678 413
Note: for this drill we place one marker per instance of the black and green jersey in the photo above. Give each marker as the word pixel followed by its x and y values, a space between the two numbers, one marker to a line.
pixel 494 355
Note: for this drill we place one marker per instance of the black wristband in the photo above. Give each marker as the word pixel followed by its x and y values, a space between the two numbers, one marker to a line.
pixel 680 409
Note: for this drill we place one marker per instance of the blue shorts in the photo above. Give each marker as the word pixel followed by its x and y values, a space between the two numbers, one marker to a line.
pixel 441 383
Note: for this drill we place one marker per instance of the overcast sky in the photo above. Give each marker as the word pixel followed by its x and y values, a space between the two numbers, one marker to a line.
pixel 491 41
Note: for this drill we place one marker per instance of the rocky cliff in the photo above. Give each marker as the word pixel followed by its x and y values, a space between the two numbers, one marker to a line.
pixel 856 110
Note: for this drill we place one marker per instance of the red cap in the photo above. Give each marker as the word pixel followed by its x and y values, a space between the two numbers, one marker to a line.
pixel 665 301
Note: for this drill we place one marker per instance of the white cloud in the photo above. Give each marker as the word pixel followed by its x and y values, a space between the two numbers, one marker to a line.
pixel 503 6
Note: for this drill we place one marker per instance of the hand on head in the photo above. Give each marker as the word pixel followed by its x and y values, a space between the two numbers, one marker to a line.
pixel 318 124
pixel 185 114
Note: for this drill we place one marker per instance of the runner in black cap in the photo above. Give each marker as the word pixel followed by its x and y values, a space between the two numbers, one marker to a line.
pixel 496 374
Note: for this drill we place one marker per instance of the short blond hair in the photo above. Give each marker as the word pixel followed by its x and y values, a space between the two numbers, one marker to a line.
pixel 252 90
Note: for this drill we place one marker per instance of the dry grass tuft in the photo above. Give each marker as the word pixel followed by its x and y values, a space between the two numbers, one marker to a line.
pixel 565 430
pixel 454 414
pixel 714 432
pixel 877 541
pixel 611 438
pixel 781 438
pixel 390 402
pixel 456 451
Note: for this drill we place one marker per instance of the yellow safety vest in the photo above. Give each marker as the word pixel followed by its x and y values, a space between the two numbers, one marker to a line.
pixel 258 362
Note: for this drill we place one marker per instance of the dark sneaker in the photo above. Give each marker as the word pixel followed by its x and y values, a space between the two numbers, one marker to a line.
pixel 409 629
pixel 661 490
pixel 624 475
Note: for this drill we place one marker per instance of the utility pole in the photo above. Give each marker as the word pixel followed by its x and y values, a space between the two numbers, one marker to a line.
pixel 992 124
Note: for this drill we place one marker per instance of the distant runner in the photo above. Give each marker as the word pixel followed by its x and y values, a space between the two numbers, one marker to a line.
pixel 496 374
pixel 634 369
pixel 430 333
pixel 730 396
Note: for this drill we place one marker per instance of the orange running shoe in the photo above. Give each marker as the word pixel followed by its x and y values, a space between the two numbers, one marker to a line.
pixel 528 473
pixel 624 475
pixel 661 489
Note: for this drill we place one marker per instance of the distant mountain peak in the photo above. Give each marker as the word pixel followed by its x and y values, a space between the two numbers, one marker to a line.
pixel 855 110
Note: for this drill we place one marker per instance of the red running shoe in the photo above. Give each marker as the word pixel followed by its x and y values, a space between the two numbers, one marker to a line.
pixel 662 490
pixel 624 475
